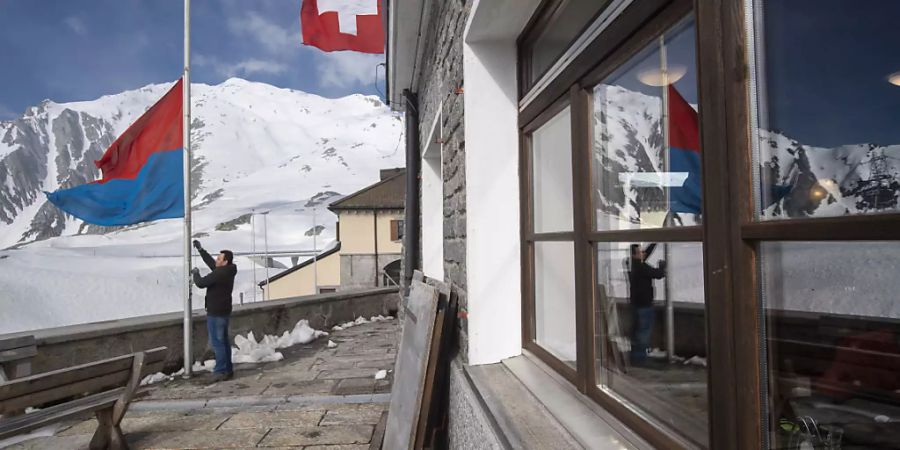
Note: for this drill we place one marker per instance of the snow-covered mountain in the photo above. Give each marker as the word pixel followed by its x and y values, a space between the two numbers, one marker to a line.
pixel 256 147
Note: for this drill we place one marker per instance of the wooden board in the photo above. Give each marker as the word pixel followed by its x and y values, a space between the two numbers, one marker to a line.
pixel 17 354
pixel 435 402
pixel 22 424
pixel 17 342
pixel 412 360
pixel 70 375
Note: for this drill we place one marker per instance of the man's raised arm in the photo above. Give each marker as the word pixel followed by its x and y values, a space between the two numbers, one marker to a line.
pixel 210 262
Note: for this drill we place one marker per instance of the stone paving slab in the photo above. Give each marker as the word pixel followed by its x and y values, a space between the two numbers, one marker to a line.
pixel 156 422
pixel 351 416
pixel 347 373
pixel 317 398
pixel 350 434
pixel 351 386
pixel 217 439
pixel 337 447
pixel 273 419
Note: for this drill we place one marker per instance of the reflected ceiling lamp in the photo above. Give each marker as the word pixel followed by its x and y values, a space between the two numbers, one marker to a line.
pixel 657 77
pixel 894 78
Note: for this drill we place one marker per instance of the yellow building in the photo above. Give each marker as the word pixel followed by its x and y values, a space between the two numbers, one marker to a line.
pixel 368 249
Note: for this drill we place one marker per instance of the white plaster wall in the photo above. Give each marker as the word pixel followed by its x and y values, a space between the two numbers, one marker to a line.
pixel 433 205
pixel 493 260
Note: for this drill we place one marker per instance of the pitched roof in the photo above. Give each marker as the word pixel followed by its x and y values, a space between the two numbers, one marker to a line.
pixel 389 193
pixel 336 248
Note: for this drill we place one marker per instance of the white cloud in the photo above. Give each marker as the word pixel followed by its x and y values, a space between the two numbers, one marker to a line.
pixel 252 66
pixel 76 24
pixel 246 67
pixel 274 38
pixel 347 69
pixel 6 113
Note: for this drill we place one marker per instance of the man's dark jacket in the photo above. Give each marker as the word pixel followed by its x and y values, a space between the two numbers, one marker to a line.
pixel 219 284
pixel 641 280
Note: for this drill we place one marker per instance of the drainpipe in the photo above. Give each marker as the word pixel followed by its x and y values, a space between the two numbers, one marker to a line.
pixel 377 264
pixel 413 161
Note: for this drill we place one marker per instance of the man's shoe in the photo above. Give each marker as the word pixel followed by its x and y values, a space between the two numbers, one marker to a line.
pixel 217 377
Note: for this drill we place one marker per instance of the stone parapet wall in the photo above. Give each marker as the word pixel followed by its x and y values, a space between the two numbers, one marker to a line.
pixel 79 344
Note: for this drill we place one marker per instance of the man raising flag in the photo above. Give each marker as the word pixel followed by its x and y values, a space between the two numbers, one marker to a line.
pixel 218 284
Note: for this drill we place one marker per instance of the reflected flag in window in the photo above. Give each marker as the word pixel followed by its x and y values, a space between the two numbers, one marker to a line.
pixel 684 154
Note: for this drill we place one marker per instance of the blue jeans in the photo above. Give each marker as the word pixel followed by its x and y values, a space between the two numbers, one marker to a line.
pixel 642 329
pixel 218 340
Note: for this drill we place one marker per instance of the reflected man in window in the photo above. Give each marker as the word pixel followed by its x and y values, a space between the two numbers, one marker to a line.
pixel 640 281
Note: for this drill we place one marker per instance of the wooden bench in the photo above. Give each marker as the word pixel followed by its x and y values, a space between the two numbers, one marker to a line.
pixel 104 387
pixel 15 357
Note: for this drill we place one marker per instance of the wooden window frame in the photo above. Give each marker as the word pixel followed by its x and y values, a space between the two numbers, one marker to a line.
pixel 737 384
pixel 546 15
pixel 396 233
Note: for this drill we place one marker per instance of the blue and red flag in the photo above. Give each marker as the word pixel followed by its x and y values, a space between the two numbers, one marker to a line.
pixel 142 177
pixel 684 154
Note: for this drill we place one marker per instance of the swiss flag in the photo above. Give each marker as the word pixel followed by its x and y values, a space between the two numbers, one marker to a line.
pixel 333 25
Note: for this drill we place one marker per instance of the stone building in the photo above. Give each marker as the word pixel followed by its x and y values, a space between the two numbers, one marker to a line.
pixel 559 149
pixel 368 248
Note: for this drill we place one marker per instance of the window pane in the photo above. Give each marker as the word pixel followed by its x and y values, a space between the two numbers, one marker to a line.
pixel 636 291
pixel 573 17
pixel 552 160
pixel 828 83
pixel 554 299
pixel 833 342
pixel 646 138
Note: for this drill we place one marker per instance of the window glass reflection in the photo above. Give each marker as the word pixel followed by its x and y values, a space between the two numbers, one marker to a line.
pixel 554 299
pixel 833 343
pixel 651 301
pixel 646 138
pixel 828 140
pixel 552 161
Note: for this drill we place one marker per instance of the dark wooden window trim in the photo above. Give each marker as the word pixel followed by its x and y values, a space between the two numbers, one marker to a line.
pixel 584 236
pixel 872 227
pixel 621 29
pixel 558 236
pixel 675 234
pixel 556 107
pixel 570 374
pixel 735 325
pixel 547 13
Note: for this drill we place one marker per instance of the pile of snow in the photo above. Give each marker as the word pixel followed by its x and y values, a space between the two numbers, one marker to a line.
pixel 331 344
pixel 250 351
pixel 696 360
pixel 157 377
pixel 205 366
pixel 360 321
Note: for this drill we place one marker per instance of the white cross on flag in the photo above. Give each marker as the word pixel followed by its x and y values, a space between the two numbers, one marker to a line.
pixel 334 25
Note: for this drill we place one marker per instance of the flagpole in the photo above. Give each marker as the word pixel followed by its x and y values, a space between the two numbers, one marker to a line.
pixel 667 292
pixel 186 167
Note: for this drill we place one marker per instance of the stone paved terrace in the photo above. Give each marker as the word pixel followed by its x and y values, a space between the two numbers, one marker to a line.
pixel 316 398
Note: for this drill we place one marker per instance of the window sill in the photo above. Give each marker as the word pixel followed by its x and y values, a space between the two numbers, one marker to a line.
pixel 533 407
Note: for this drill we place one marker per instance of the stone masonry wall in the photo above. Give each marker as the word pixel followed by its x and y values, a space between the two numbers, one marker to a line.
pixel 440 91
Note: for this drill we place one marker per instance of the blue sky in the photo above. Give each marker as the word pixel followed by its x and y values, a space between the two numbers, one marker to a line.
pixel 69 50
